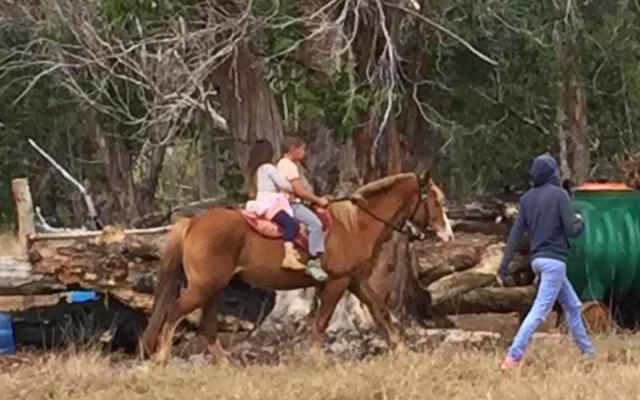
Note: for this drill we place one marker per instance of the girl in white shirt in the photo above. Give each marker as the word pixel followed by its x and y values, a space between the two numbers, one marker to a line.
pixel 266 185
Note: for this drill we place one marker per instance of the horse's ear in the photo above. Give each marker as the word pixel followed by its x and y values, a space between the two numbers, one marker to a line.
pixel 425 177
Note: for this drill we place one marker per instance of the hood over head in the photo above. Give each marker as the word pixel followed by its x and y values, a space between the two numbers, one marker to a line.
pixel 544 170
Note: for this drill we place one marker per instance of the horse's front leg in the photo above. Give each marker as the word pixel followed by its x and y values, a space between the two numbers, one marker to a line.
pixel 329 297
pixel 379 311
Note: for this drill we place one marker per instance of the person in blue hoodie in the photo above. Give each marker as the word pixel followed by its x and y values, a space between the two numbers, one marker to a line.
pixel 545 214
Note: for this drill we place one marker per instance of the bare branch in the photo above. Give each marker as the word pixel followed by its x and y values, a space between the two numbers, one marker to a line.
pixel 87 197
pixel 436 25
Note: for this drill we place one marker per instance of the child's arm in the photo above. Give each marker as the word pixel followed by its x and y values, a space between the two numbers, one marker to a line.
pixel 573 226
pixel 302 192
pixel 279 179
pixel 517 230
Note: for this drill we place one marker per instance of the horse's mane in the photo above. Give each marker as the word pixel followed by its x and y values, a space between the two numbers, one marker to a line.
pixel 346 211
pixel 381 184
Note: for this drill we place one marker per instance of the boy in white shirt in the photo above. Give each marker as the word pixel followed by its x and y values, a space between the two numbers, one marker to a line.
pixel 294 150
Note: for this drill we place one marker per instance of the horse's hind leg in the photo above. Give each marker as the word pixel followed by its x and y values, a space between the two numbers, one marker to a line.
pixel 209 329
pixel 379 311
pixel 192 298
pixel 330 295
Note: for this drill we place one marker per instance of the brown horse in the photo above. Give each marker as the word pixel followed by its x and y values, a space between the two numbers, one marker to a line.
pixel 208 250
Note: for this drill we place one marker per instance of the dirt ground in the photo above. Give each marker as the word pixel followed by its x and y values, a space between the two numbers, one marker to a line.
pixel 505 324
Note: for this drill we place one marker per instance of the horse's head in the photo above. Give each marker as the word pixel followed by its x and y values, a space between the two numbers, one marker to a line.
pixel 430 213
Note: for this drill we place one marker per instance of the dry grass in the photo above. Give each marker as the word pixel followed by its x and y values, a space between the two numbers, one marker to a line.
pixel 9 245
pixel 555 371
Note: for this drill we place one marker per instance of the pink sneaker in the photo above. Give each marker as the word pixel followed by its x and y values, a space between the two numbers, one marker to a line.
pixel 510 362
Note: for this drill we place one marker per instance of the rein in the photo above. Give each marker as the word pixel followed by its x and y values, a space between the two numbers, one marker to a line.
pixel 410 233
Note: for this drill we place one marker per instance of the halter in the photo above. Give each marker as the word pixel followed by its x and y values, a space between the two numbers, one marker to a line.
pixel 409 229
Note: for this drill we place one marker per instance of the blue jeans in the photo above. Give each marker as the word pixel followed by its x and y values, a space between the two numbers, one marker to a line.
pixel 553 285
pixel 314 226
pixel 288 225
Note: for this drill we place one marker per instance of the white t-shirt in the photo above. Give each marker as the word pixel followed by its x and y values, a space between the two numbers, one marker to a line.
pixel 291 171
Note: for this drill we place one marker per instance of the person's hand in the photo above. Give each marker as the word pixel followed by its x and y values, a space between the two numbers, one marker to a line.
pixel 499 281
pixel 579 216
pixel 323 202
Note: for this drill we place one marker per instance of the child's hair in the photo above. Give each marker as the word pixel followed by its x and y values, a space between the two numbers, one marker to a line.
pixel 261 153
pixel 291 142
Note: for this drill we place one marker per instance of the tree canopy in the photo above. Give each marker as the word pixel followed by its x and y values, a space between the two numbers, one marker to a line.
pixel 154 102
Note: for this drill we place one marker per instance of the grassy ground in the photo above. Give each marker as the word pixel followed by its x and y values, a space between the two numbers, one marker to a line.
pixel 554 371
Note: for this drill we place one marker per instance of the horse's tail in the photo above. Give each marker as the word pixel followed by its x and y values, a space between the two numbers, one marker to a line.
pixel 167 289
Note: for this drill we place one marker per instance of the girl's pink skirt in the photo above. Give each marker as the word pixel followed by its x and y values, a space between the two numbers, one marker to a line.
pixel 267 205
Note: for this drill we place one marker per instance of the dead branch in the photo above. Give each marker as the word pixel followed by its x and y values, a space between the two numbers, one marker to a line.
pixel 436 25
pixel 85 194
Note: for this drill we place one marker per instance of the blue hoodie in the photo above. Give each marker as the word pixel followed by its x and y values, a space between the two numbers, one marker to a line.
pixel 546 215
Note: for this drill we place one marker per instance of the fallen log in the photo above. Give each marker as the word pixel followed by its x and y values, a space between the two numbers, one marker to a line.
pixel 118 262
pixel 432 261
pixel 17 278
pixel 487 209
pixel 23 302
pixel 489 299
pixel 458 283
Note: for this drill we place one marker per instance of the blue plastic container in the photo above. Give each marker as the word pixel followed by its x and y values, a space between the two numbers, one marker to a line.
pixel 7 345
pixel 81 296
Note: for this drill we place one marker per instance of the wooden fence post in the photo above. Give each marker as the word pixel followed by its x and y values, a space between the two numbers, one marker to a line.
pixel 24 211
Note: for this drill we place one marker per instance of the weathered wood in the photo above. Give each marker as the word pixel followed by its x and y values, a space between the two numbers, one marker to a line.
pixel 18 278
pixel 116 261
pixel 24 210
pixel 489 299
pixel 23 302
pixel 122 264
pixel 458 283
pixel 488 209
pixel 72 235
pixel 432 261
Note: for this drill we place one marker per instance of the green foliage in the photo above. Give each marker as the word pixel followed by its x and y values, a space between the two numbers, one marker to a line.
pixel 491 112
pixel 337 101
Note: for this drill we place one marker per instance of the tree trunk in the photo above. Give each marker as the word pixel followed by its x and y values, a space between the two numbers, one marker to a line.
pixel 122 203
pixel 147 186
pixel 249 106
pixel 572 100
pixel 394 156
pixel 209 168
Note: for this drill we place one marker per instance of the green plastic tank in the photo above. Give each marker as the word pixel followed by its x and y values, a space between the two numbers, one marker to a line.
pixel 605 259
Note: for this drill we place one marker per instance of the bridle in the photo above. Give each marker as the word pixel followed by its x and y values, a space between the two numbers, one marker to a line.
pixel 409 228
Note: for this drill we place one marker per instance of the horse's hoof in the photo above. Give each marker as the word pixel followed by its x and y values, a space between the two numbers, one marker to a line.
pixel 316 341
pixel 159 361
pixel 399 348
pixel 222 362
